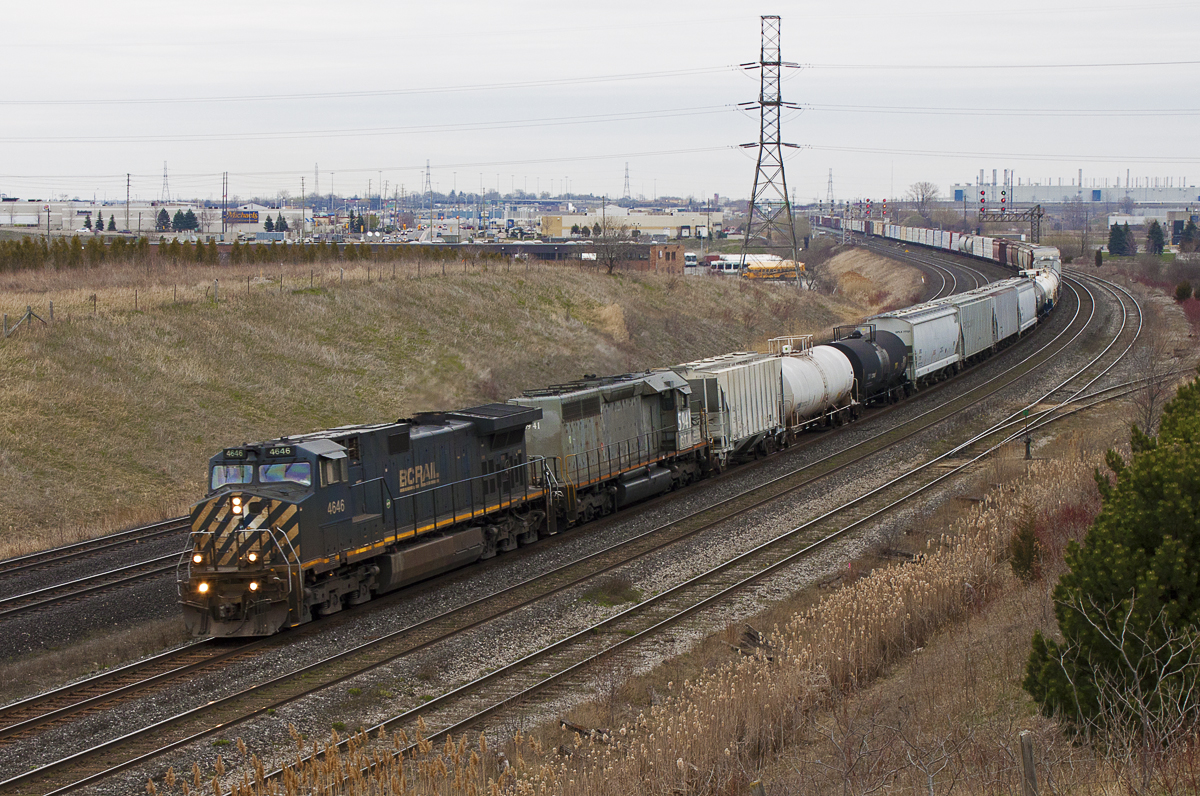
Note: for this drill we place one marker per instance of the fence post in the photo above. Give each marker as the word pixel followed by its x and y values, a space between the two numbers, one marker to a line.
pixel 216 285
pixel 6 324
pixel 51 312
pixel 135 306
pixel 1029 775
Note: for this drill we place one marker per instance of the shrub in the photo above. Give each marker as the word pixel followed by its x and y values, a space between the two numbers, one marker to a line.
pixel 1183 291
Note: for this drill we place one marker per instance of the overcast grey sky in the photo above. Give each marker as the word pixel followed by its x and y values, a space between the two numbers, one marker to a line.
pixel 532 94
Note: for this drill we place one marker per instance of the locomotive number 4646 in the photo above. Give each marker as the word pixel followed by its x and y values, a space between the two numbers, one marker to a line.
pixel 337 506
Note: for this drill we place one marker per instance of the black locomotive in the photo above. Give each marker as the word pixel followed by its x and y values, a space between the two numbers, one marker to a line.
pixel 300 526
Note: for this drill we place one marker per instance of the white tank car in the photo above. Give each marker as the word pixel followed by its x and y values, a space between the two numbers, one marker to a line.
pixel 1045 286
pixel 815 381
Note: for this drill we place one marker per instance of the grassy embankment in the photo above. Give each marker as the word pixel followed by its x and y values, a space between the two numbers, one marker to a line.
pixel 107 418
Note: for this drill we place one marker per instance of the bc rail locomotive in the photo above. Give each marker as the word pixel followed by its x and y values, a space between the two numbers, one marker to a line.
pixel 299 527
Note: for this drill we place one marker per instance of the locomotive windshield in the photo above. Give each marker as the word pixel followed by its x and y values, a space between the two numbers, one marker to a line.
pixel 224 474
pixel 291 472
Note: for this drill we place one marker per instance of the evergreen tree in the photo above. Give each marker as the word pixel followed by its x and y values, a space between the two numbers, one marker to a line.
pixel 1099 258
pixel 177 221
pixel 1116 240
pixel 574 229
pixel 269 225
pixel 87 222
pixel 596 231
pixel 190 222
pixel 1130 241
pixel 1129 605
pixel 281 224
pixel 1189 241
pixel 163 221
pixel 1155 241
pixel 112 223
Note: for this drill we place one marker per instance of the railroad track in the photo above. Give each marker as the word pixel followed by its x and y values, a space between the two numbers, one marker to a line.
pixel 101 544
pixel 136 746
pixel 542 676
pixel 86 586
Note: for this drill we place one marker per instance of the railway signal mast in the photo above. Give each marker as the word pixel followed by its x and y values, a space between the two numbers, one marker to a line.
pixel 769 220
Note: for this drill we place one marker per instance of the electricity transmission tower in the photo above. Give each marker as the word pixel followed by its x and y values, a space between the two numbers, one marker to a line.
pixel 769 222
pixel 166 192
pixel 626 196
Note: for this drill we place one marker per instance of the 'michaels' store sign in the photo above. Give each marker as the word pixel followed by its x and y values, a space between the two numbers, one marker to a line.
pixel 239 216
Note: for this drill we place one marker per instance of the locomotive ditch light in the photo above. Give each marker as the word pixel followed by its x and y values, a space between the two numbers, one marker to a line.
pixel 202 588
pixel 197 559
pixel 252 557
pixel 253 585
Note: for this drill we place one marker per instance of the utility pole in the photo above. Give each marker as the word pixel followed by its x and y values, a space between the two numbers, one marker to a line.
pixel 127 201
pixel 429 199
pixel 302 209
pixel 770 212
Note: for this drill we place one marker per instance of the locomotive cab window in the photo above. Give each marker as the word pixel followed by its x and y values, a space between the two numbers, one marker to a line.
pixel 224 474
pixel 282 473
pixel 334 471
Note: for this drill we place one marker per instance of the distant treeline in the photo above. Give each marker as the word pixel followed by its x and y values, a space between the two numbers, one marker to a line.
pixel 31 253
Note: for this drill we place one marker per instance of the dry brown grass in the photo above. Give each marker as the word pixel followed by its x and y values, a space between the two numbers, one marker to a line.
pixel 863 688
pixel 107 418
pixel 873 281
pixel 106 649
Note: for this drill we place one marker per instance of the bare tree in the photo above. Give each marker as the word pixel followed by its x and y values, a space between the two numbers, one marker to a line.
pixel 206 218
pixel 1153 367
pixel 860 742
pixel 613 245
pixel 923 195
pixel 1149 700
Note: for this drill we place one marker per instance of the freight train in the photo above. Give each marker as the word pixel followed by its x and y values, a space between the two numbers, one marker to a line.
pixel 302 526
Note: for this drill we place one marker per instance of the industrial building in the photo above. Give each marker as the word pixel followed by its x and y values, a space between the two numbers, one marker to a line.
pixel 669 224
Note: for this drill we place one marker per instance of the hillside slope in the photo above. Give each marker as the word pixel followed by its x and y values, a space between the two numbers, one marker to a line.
pixel 109 418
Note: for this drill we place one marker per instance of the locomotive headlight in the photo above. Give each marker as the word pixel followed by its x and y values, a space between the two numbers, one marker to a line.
pixel 202 588
pixel 253 585
pixel 237 501
pixel 252 557
pixel 237 505
pixel 197 559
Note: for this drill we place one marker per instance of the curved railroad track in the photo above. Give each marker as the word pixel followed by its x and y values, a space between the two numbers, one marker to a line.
pixel 135 746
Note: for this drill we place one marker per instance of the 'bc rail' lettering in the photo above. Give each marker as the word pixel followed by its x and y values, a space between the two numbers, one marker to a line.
pixel 422 475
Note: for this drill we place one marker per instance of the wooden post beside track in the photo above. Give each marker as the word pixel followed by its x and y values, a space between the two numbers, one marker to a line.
pixel 1028 774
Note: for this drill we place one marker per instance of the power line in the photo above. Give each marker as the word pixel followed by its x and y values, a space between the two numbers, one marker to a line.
pixel 553 121
pixel 1051 112
pixel 570 81
pixel 959 67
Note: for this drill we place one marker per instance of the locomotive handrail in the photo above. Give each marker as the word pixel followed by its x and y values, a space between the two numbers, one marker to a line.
pixel 506 488
pixel 606 466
